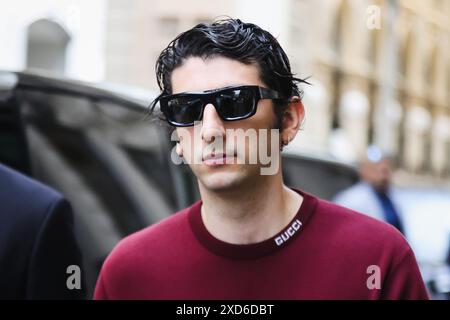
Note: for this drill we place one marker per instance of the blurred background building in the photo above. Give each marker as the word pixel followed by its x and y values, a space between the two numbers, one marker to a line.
pixel 379 68
pixel 64 36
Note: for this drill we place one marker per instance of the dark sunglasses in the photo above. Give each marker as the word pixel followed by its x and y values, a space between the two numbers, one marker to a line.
pixel 231 103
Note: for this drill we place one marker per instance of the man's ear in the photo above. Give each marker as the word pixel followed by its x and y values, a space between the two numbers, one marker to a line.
pixel 292 119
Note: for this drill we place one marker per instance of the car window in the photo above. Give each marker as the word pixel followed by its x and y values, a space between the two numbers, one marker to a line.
pixel 321 178
pixel 105 158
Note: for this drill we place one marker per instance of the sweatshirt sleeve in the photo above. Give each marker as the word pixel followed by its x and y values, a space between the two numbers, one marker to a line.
pixel 404 281
pixel 100 291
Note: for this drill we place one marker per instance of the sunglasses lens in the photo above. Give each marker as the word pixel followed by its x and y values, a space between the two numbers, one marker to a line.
pixel 235 104
pixel 231 104
pixel 184 110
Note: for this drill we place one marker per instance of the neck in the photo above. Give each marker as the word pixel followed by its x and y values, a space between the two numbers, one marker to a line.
pixel 249 214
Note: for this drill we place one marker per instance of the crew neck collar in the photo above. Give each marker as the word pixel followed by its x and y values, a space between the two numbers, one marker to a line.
pixel 254 250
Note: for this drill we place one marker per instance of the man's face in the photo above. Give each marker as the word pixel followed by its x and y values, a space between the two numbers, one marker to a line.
pixel 195 75
pixel 378 174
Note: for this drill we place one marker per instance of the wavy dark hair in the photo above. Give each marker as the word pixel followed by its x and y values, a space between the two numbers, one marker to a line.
pixel 234 39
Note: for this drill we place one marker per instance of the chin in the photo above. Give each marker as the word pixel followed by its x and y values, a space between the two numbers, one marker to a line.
pixel 221 181
pixel 224 179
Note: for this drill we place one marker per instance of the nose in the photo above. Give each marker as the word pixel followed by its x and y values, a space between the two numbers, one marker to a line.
pixel 212 124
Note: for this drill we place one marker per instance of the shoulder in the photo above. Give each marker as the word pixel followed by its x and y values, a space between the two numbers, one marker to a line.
pixel 27 203
pixel 354 231
pixel 359 243
pixel 167 230
pixel 152 243
pixel 15 187
pixel 147 254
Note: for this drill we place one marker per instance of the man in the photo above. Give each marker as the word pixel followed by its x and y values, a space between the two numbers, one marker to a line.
pixel 250 236
pixel 374 195
pixel 37 243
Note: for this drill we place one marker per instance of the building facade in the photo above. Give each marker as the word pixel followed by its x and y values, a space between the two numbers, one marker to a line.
pixel 65 37
pixel 380 68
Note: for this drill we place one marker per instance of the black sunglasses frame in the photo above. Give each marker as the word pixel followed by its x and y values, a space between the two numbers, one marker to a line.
pixel 209 96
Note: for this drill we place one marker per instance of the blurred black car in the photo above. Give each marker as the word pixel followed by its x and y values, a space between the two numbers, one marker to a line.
pixel 98 147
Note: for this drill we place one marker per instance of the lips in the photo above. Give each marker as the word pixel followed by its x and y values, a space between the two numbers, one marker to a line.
pixel 216 159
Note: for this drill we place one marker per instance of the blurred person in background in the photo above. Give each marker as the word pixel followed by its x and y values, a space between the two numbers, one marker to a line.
pixel 250 236
pixel 374 195
pixel 37 243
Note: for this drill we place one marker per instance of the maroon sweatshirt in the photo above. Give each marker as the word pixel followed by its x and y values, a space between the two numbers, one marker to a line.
pixel 326 252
